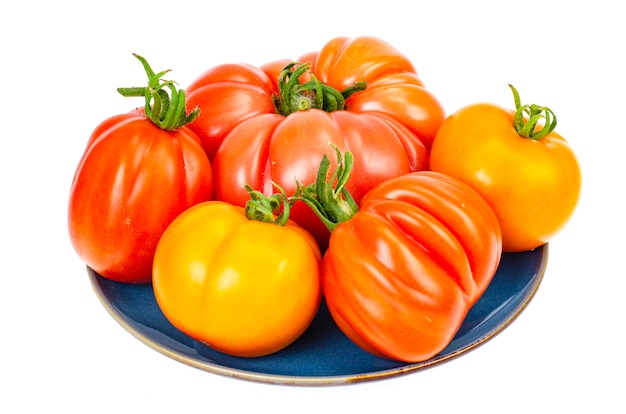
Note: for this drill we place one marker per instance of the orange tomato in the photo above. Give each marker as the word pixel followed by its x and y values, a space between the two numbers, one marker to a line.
pixel 404 268
pixel 533 184
pixel 243 287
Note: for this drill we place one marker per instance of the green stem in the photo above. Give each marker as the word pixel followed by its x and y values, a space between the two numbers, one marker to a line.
pixel 528 117
pixel 351 90
pixel 329 198
pixel 264 208
pixel 165 111
pixel 294 96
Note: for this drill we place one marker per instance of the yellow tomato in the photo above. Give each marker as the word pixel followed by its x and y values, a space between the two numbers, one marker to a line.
pixel 243 287
pixel 532 183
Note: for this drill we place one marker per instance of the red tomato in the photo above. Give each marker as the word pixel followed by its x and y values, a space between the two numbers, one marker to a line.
pixel 133 179
pixel 401 273
pixel 388 127
pixel 532 182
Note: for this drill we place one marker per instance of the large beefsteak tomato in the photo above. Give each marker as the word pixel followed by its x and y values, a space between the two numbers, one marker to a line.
pixel 403 269
pixel 359 94
pixel 138 172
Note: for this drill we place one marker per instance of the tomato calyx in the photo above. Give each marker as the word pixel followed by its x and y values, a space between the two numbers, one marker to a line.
pixel 528 117
pixel 272 209
pixel 165 111
pixel 328 198
pixel 294 96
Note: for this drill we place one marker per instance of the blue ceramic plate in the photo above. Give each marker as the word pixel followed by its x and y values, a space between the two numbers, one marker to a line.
pixel 323 355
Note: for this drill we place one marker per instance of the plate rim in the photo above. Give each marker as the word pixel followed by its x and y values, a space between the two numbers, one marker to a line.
pixel 309 380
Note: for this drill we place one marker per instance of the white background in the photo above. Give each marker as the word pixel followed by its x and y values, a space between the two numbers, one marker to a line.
pixel 61 62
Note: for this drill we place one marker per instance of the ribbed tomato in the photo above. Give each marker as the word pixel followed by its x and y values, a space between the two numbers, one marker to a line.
pixel 404 268
pixel 137 173
pixel 359 94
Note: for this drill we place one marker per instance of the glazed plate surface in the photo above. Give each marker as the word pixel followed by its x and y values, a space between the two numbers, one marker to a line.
pixel 323 355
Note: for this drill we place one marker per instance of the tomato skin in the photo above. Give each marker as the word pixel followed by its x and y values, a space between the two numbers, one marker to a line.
pixel 226 95
pixel 242 287
pixel 130 183
pixel 399 102
pixel 343 61
pixel 532 185
pixel 400 276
